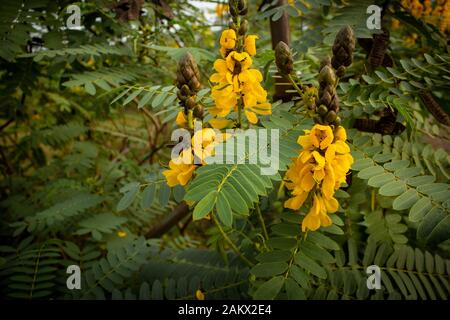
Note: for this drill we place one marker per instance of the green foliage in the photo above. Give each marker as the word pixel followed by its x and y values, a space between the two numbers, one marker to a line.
pixel 384 166
pixel 86 120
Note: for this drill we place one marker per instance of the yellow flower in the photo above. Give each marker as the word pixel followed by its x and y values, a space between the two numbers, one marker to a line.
pixel 250 44
pixel 395 24
pixel 225 100
pixel 121 234
pixel 199 295
pixel 321 136
pixel 180 171
pixel 317 215
pixel 228 39
pixel 181 119
pixel 204 142
pixel 297 201
pixel 321 167
pixel 233 69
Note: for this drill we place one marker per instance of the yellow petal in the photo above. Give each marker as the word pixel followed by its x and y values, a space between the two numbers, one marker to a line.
pixel 328 182
pixel 331 204
pixel 219 123
pixel 341 147
pixel 251 116
pixel 250 44
pixel 340 134
pixel 296 202
pixel 181 119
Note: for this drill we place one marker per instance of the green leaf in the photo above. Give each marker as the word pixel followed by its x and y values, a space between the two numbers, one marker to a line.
pixel 269 269
pixel 224 210
pixel 164 194
pixel 370 172
pixel 310 265
pixel 419 209
pixel 293 290
pixel 362 164
pixel 396 164
pixel 148 196
pixel 381 180
pixel 130 191
pixel 393 188
pixel 323 241
pixel 269 289
pixel 204 206
pixel 406 200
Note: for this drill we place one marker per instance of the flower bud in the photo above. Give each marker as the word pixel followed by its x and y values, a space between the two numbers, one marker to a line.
pixel 343 47
pixel 327 75
pixel 283 58
pixel 238 7
pixel 330 117
pixel 322 110
pixel 243 28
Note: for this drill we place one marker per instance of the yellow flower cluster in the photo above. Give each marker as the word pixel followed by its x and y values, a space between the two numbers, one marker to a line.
pixel 439 14
pixel 320 169
pixel 182 168
pixel 236 82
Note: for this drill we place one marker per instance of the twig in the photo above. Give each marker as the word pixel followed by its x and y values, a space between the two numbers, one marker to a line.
pixel 263 224
pixel 232 245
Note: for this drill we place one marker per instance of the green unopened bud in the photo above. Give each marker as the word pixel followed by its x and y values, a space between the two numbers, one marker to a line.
pixel 327 75
pixel 340 72
pixel 337 121
pixel 318 119
pixel 185 90
pixel 190 103
pixel 243 28
pixel 198 111
pixel 283 58
pixel 330 117
pixel 232 25
pixel 322 110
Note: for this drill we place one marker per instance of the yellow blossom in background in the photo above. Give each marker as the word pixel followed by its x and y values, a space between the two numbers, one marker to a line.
pixel 434 12
pixel 395 24
pixel 221 9
pixel 199 295
pixel 180 170
pixel 121 234
pixel 250 44
pixel 228 39
pixel 320 169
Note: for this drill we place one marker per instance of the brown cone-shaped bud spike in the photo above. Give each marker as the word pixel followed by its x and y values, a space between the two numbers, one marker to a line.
pixel 434 108
pixel 343 47
pixel 283 58
pixel 379 48
pixel 238 7
pixel 188 73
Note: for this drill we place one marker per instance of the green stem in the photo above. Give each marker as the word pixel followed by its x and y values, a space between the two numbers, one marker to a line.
pixel 263 224
pixel 231 244
pixel 300 92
